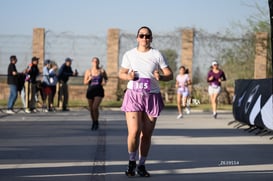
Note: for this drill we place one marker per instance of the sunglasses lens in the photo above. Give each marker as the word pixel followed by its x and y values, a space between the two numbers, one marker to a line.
pixel 144 36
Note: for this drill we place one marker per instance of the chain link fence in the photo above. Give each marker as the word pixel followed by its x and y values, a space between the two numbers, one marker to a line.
pixel 19 45
pixel 235 54
pixel 168 41
pixel 80 48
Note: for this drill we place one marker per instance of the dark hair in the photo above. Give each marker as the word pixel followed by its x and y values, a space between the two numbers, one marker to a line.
pixel 145 27
pixel 34 59
pixel 98 60
pixel 47 61
pixel 12 57
pixel 183 67
pixel 68 59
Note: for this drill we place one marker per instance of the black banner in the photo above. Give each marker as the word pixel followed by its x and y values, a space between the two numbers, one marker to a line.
pixel 253 102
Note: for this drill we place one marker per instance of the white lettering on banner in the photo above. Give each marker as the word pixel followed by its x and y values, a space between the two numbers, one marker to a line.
pixel 250 98
pixel 240 99
pixel 255 111
pixel 267 113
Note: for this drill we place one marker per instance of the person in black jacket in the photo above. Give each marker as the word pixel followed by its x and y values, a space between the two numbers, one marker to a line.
pixel 64 73
pixel 12 82
pixel 33 73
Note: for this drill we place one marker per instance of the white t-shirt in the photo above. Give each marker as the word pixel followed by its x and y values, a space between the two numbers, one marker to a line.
pixel 182 79
pixel 145 63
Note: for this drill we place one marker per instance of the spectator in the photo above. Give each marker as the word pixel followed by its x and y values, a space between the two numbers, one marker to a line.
pixel 12 82
pixel 53 81
pixel 49 85
pixel 33 73
pixel 21 90
pixel 64 73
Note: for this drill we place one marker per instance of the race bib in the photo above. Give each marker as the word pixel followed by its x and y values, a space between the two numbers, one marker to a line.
pixel 142 85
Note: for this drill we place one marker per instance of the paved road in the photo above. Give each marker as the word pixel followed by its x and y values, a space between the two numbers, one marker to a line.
pixel 60 146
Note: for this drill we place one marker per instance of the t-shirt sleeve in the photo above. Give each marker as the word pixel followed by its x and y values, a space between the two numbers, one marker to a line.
pixel 125 61
pixel 177 78
pixel 162 61
pixel 187 77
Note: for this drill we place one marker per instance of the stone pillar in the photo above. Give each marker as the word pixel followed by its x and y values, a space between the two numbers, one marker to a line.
pixel 38 46
pixel 260 64
pixel 112 64
pixel 187 50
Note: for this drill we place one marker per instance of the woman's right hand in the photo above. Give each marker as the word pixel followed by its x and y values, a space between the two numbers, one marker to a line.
pixel 211 78
pixel 87 77
pixel 131 75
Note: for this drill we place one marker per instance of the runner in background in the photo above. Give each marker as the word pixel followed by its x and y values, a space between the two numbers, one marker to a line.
pixel 182 83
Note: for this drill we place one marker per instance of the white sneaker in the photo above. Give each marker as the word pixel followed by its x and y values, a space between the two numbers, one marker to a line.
pixel 188 111
pixel 27 111
pixel 179 116
pixel 10 111
pixel 44 110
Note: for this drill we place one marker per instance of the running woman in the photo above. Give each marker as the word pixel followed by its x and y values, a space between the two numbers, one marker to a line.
pixel 182 82
pixel 142 101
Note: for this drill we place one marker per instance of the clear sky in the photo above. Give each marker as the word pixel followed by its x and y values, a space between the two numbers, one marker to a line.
pixel 97 16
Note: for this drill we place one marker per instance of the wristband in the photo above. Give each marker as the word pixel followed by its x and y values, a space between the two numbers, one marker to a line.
pixel 160 77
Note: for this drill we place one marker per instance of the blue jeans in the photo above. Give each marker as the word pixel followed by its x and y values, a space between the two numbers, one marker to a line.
pixel 12 96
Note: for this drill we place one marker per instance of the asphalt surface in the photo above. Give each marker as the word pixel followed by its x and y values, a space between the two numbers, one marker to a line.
pixel 61 146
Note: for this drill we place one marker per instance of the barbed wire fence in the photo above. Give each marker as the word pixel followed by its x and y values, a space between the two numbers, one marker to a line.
pixel 19 45
pixel 81 48
pixel 221 48
pixel 235 56
pixel 170 40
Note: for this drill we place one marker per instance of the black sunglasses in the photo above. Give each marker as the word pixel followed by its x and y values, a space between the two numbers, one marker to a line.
pixel 144 36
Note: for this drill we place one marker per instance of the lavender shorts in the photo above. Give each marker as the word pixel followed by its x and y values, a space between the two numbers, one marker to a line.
pixel 151 103
pixel 184 91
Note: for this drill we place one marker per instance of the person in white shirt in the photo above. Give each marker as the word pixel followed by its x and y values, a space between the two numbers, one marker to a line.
pixel 49 85
pixel 182 82
pixel 142 102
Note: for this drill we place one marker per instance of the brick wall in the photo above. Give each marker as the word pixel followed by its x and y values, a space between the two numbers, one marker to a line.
pixel 38 45
pixel 113 90
pixel 260 65
pixel 112 64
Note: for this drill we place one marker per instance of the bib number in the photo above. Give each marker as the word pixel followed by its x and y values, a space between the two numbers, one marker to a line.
pixel 142 85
